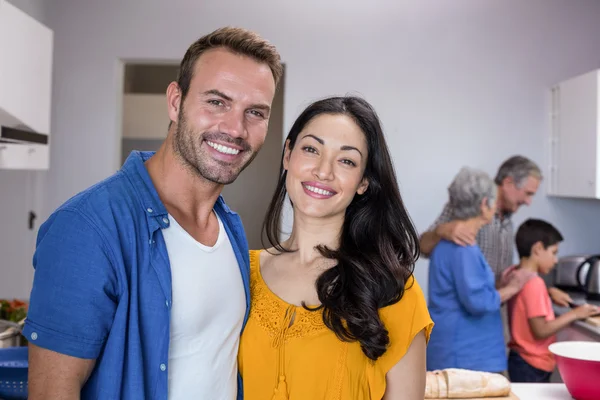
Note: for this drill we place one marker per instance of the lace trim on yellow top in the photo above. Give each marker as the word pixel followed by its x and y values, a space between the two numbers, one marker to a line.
pixel 271 311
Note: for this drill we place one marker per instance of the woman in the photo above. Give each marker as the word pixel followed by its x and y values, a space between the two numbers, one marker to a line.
pixel 336 312
pixel 463 299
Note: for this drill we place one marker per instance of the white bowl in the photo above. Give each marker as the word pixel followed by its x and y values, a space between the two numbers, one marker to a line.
pixel 588 351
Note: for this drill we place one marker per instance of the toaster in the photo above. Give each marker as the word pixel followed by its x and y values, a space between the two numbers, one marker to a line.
pixel 568 274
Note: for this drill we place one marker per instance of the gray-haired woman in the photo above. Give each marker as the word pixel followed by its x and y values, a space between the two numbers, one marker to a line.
pixel 463 300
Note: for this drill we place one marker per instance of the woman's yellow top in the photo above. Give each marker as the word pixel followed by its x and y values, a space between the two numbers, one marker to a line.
pixel 305 360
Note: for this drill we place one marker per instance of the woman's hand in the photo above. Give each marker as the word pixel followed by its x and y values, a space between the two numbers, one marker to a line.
pixel 519 277
pixel 512 282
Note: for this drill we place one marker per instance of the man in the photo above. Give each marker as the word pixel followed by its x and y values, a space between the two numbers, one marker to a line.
pixel 518 179
pixel 141 283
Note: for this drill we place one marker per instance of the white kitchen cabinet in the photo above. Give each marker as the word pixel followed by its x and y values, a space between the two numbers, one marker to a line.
pixel 24 156
pixel 26 48
pixel 575 138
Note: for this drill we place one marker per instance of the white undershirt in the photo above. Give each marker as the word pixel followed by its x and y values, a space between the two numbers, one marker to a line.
pixel 206 317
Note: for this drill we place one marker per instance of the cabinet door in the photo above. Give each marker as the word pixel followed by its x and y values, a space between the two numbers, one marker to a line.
pixel 25 69
pixel 24 156
pixel 575 137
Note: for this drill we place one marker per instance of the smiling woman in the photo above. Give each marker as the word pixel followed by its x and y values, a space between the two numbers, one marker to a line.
pixel 336 312
pixel 327 165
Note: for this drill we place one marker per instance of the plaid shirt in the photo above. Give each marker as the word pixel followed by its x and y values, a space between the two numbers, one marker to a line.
pixel 495 240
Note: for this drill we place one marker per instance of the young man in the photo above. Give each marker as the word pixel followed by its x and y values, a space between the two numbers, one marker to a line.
pixel 517 179
pixel 141 282
pixel 531 317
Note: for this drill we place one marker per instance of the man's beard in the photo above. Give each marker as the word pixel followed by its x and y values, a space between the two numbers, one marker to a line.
pixel 188 148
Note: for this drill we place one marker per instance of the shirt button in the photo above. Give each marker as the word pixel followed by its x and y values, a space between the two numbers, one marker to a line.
pixel 149 210
pixel 34 336
pixel 167 303
pixel 163 367
pixel 166 220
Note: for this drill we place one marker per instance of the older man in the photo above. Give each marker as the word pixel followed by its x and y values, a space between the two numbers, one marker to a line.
pixel 518 179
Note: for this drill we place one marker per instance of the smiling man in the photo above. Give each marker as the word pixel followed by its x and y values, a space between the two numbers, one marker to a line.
pixel 141 281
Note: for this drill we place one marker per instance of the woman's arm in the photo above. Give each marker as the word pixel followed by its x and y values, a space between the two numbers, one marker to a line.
pixel 471 275
pixel 406 379
pixel 507 292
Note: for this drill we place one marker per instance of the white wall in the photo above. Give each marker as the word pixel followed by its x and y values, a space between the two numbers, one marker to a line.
pixel 460 82
pixel 20 192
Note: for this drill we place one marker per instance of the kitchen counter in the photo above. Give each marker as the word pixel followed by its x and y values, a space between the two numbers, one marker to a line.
pixel 584 329
pixel 541 391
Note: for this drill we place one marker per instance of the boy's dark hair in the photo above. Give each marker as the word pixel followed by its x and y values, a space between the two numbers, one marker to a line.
pixel 535 230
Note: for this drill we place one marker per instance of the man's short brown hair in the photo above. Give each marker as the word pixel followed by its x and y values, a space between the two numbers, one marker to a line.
pixel 238 41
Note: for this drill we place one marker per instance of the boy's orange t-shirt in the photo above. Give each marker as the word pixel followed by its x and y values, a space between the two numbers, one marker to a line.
pixel 531 302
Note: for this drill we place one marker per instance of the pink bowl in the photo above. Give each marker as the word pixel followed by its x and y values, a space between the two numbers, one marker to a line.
pixel 579 367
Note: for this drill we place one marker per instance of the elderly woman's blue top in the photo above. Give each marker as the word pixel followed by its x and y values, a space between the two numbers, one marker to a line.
pixel 465 307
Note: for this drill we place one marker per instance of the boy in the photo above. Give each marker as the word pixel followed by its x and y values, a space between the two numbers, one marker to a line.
pixel 531 317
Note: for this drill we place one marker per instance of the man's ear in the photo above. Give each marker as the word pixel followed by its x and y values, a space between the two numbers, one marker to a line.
pixel 286 155
pixel 173 101
pixel 508 181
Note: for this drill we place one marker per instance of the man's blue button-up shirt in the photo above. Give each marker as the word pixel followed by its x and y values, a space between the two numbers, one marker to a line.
pixel 102 286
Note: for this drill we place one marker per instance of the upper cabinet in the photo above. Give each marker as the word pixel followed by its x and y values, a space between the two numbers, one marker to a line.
pixel 575 138
pixel 26 48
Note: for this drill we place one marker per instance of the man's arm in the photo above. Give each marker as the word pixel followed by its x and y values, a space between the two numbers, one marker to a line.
pixel 428 241
pixel 444 228
pixel 454 231
pixel 56 376
pixel 72 306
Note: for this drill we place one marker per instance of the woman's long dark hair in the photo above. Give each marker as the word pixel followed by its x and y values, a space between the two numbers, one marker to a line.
pixel 379 244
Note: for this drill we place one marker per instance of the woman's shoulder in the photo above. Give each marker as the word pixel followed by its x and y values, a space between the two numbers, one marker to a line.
pixel 254 258
pixel 447 247
pixel 413 300
pixel 403 320
pixel 261 257
pixel 409 313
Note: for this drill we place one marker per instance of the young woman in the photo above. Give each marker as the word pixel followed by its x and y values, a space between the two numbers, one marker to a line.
pixel 336 312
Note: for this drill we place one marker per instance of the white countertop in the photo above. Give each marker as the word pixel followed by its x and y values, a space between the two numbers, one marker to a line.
pixel 541 391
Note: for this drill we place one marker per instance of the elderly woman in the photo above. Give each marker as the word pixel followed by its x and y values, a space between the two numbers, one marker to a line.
pixel 463 300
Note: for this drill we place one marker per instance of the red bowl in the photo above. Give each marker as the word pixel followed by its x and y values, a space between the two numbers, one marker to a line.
pixel 579 367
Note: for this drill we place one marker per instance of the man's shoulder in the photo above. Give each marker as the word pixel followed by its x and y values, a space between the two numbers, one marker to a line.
pixel 111 196
pixel 114 189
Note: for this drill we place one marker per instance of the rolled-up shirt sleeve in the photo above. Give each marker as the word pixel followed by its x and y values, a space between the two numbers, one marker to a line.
pixel 476 291
pixel 75 287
